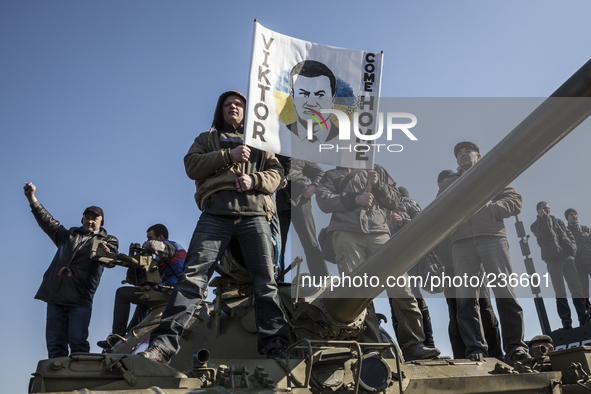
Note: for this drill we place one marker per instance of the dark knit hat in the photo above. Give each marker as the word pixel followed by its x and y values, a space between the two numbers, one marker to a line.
pixel 443 175
pixel 569 211
pixel 465 144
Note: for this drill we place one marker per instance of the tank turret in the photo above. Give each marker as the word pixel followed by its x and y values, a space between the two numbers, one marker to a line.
pixel 337 344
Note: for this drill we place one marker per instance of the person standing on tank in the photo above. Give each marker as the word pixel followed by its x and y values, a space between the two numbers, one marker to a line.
pixel 480 245
pixel 582 236
pixel 70 282
pixel 559 248
pixel 233 184
pixel 406 210
pixel 489 320
pixel 358 201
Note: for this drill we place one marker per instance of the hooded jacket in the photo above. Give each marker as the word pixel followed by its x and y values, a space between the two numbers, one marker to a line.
pixel 346 214
pixel 582 235
pixel 72 277
pixel 488 221
pixel 555 240
pixel 213 171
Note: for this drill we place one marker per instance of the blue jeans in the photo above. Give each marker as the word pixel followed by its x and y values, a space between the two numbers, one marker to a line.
pixel 475 256
pixel 66 325
pixel 210 239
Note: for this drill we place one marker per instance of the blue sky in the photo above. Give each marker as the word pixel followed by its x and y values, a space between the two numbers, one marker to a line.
pixel 101 100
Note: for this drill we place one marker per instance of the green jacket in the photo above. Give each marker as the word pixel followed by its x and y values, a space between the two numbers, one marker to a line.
pixel 214 174
pixel 346 214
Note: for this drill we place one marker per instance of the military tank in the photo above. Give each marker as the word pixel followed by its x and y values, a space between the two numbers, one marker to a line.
pixel 337 344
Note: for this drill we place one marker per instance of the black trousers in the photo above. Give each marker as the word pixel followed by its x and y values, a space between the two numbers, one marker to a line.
pixel 124 297
pixel 303 223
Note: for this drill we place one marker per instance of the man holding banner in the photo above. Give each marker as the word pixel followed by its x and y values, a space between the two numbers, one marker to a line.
pixel 233 185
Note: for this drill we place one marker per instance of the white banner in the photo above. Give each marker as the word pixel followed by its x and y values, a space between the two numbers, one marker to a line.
pixel 313 102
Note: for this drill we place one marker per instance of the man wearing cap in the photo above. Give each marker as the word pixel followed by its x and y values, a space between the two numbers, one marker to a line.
pixel 583 257
pixel 479 246
pixel 233 183
pixel 558 248
pixel 72 278
pixel 489 320
pixel 542 341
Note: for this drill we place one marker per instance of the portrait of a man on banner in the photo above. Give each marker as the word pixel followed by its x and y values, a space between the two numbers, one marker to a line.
pixel 312 87
pixel 302 91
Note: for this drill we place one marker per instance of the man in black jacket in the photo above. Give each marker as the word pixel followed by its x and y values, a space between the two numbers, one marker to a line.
pixel 558 250
pixel 582 236
pixel 406 210
pixel 71 280
pixel 295 205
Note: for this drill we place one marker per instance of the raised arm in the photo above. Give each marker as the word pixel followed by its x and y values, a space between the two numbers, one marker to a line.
pixel 542 227
pixel 48 224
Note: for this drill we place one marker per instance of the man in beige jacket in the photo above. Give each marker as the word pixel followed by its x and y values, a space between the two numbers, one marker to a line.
pixel 233 184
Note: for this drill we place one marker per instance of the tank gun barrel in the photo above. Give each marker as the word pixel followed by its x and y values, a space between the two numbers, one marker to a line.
pixel 547 125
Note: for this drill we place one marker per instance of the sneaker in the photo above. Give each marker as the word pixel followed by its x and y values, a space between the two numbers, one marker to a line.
pixel 157 353
pixel 422 353
pixel 108 343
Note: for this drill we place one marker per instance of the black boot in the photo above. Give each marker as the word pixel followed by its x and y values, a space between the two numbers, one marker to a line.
pixel 108 343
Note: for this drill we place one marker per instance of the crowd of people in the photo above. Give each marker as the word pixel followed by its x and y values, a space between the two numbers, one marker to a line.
pixel 240 190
